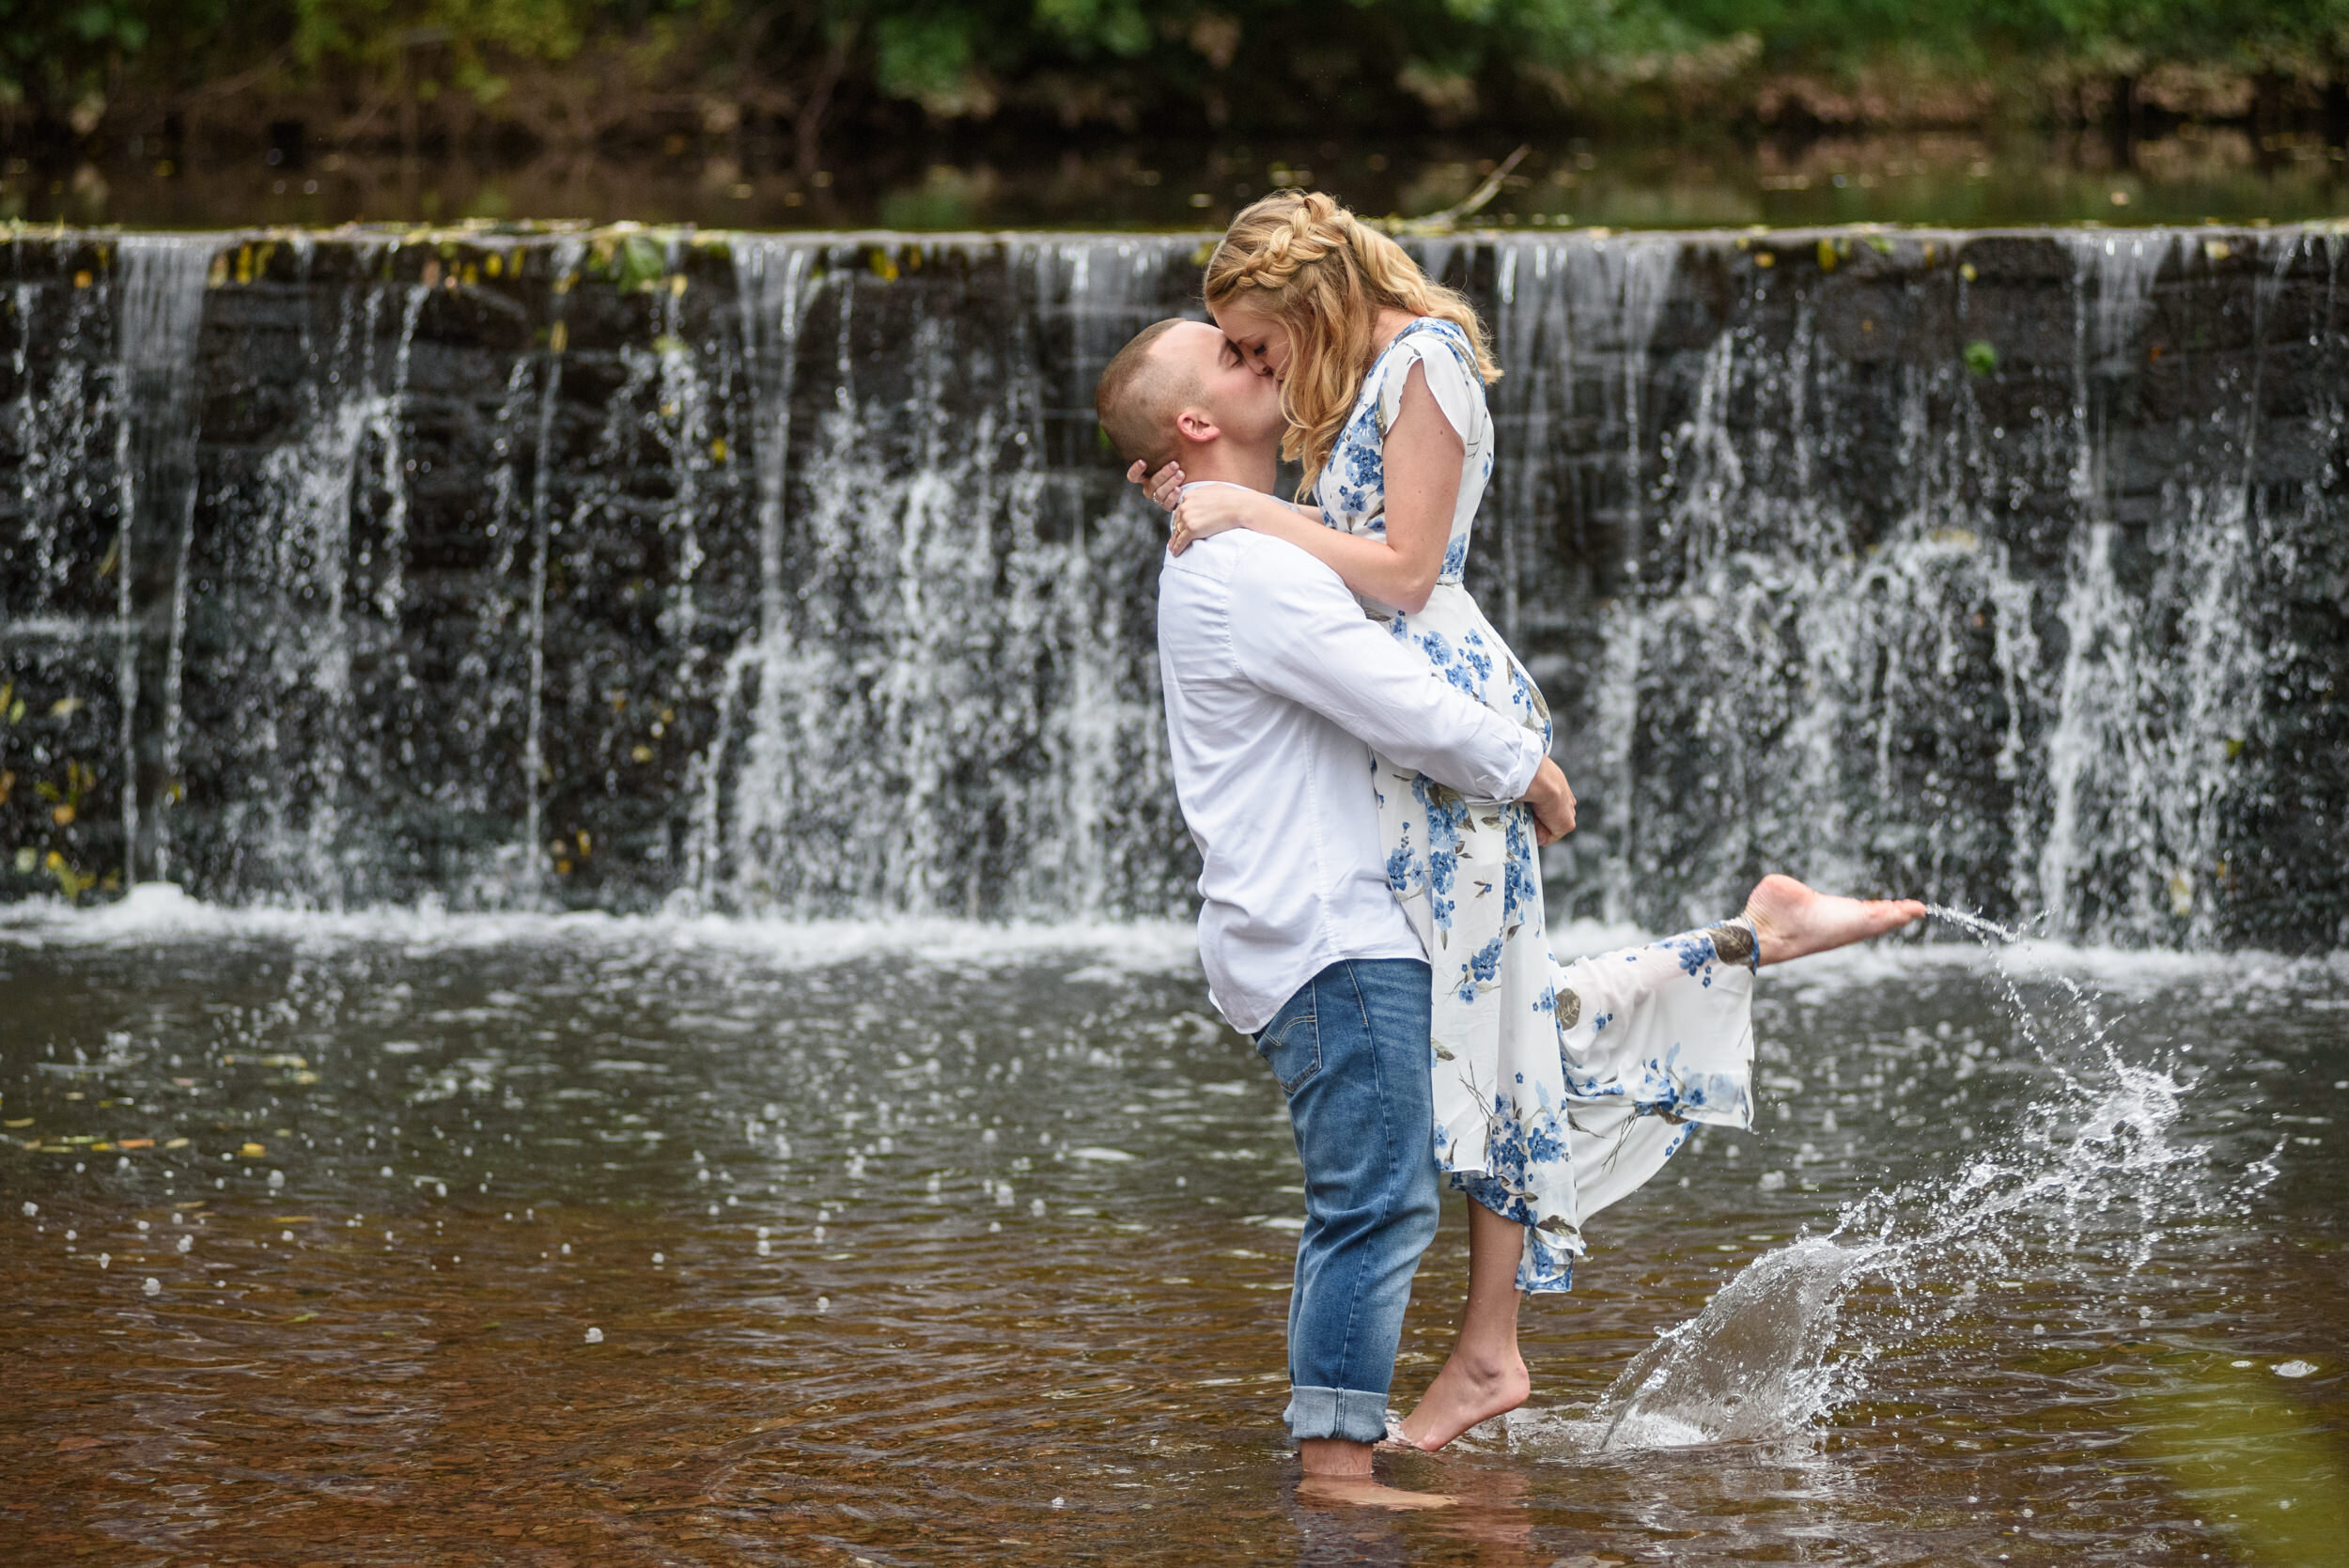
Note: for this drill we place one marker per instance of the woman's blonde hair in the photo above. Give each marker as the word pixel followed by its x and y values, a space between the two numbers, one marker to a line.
pixel 1299 258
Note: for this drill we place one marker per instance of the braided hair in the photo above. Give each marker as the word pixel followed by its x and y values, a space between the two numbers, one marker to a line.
pixel 1304 261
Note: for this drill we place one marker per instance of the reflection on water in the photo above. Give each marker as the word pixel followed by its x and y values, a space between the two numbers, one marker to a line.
pixel 416 1240
pixel 1954 178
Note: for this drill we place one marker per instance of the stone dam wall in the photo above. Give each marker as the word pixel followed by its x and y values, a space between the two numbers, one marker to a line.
pixel 786 574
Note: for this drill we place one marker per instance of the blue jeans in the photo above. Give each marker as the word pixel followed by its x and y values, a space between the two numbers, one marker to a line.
pixel 1350 1050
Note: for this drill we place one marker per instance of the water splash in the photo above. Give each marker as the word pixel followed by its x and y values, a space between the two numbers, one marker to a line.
pixel 2087 1185
pixel 1754 1364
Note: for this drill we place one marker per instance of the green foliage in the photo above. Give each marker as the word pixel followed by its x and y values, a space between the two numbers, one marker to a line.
pixel 1356 65
pixel 58 51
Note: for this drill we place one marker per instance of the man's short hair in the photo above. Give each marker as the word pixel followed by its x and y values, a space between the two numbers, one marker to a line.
pixel 1140 395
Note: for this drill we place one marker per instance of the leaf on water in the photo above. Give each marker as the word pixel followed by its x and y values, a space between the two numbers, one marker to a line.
pixel 302 1317
pixel 20 1122
pixel 178 1144
pixel 65 708
pixel 72 1445
pixel 251 1151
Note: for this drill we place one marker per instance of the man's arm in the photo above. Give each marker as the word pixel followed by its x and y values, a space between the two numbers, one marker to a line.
pixel 1296 631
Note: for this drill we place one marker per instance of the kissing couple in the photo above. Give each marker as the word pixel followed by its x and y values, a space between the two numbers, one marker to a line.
pixel 1364 766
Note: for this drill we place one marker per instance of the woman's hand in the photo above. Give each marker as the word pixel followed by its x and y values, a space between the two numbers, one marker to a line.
pixel 1213 509
pixel 1165 486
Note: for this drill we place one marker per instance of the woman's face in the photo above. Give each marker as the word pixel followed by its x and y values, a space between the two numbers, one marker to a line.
pixel 1262 343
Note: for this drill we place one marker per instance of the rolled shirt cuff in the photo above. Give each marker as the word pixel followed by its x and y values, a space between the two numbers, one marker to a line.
pixel 1520 775
pixel 1356 1415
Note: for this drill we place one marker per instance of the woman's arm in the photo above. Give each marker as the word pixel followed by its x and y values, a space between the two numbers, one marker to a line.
pixel 1423 456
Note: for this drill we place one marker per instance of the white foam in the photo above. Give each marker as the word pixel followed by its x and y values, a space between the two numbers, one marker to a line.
pixel 158 912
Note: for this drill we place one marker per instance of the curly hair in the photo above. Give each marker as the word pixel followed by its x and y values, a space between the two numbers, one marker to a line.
pixel 1301 260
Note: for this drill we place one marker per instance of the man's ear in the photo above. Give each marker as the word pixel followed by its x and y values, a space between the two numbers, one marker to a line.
pixel 1196 425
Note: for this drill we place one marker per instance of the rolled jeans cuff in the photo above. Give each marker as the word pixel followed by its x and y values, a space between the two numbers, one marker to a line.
pixel 1356 1415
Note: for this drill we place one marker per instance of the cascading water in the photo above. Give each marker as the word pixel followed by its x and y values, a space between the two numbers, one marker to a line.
pixel 156 321
pixel 786 574
pixel 943 706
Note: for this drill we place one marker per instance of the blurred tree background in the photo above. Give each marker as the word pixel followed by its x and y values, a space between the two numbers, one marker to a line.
pixel 803 74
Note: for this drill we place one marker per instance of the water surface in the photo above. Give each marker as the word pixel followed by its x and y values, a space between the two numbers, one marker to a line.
pixel 407 1240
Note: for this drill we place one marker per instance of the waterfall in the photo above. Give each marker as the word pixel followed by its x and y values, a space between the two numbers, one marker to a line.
pixel 163 280
pixel 944 704
pixel 632 568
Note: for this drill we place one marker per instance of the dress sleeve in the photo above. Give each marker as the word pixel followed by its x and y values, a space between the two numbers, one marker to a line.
pixel 1457 392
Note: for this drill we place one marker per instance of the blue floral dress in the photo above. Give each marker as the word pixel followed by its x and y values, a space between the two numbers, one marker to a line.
pixel 1556 1090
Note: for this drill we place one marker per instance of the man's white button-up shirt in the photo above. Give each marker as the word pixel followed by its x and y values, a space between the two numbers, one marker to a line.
pixel 1277 689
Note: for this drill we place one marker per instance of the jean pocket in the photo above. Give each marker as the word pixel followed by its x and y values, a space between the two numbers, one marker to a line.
pixel 1291 1045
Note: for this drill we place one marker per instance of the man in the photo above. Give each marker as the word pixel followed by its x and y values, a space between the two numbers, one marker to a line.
pixel 1277 691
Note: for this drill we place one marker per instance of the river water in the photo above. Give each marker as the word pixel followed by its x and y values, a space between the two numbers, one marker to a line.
pixel 419 1239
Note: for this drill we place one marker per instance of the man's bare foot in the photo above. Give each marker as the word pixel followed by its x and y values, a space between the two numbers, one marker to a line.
pixel 1362 1491
pixel 1463 1394
pixel 1792 921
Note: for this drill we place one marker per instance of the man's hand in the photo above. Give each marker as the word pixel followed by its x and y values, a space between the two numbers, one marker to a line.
pixel 1551 801
pixel 1165 486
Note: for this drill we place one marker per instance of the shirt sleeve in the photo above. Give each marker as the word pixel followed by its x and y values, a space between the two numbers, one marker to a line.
pixel 1298 633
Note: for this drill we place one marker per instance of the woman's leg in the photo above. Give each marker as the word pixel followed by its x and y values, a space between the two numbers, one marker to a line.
pixel 1484 1375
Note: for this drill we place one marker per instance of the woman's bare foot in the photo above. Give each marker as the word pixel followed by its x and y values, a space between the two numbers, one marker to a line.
pixel 1362 1491
pixel 1792 921
pixel 1467 1391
